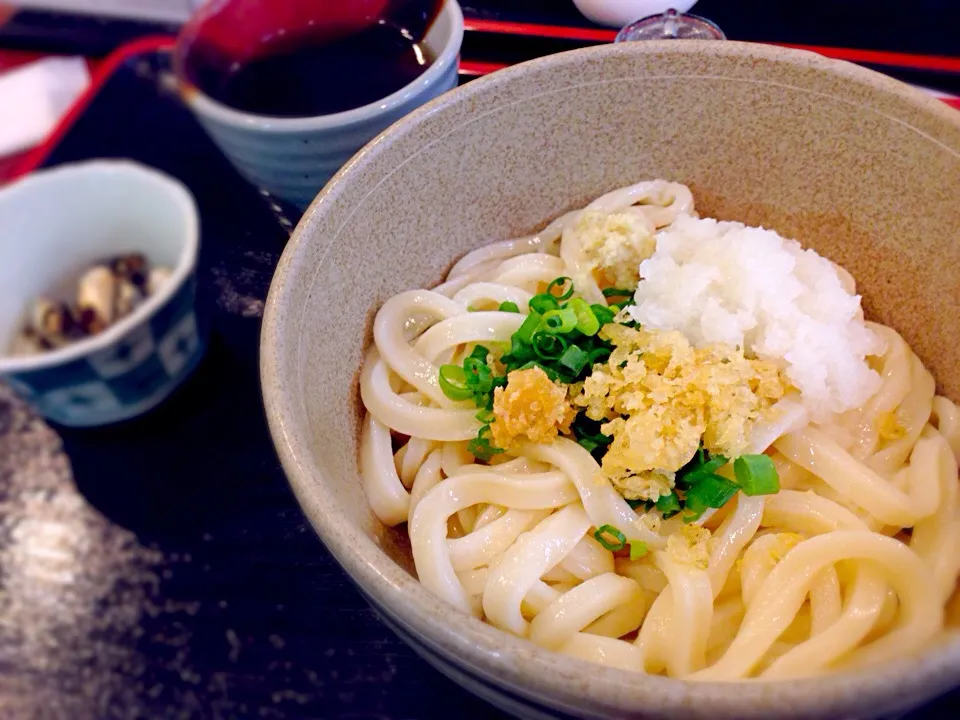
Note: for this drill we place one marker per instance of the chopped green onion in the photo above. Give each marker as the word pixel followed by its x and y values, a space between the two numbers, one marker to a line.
pixel 509 307
pixel 587 322
pixel 480 353
pixel 546 335
pixel 479 380
pixel 714 490
pixel 543 302
pixel 551 373
pixel 599 354
pixel 638 549
pixel 711 491
pixel 690 515
pixel 453 382
pixel 668 505
pixel 589 437
pixel 574 359
pixel 528 328
pixel 617 292
pixel 559 283
pixel 485 416
pixel 549 347
pixel 520 353
pixel 480 446
pixel 604 532
pixel 477 372
pixel 603 314
pixel 756 474
pixel 697 473
pixel 561 321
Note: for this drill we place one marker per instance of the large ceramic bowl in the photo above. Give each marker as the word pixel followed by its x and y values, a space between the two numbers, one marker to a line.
pixel 862 168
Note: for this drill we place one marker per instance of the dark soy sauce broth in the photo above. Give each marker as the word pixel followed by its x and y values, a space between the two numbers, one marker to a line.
pixel 300 77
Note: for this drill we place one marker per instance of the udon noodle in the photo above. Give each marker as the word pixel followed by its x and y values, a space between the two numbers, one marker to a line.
pixel 849 564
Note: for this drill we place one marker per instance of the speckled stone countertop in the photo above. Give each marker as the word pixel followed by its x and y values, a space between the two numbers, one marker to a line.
pixel 73 584
pixel 210 599
pixel 229 609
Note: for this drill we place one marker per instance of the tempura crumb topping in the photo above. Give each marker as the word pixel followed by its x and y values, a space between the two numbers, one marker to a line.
pixel 659 397
pixel 530 407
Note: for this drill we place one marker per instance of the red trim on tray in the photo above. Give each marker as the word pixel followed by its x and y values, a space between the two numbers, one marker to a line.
pixel 36 157
pixel 881 57
pixel 876 57
pixel 552 31
pixel 475 68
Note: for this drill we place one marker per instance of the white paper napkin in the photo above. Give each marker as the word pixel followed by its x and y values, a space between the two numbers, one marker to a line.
pixel 34 97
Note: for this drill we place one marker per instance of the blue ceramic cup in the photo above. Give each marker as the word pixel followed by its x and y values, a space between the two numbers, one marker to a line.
pixel 293 158
pixel 56 223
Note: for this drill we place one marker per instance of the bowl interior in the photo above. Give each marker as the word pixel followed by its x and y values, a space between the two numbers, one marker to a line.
pixel 56 223
pixel 443 30
pixel 854 165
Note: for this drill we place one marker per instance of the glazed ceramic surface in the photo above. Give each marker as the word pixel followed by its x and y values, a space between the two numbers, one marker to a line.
pixel 54 224
pixel 861 168
pixel 292 158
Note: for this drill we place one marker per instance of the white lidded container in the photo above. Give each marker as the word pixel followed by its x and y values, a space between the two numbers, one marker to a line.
pixel 617 13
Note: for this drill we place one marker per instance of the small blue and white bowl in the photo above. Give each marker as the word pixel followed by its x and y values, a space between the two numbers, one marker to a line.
pixel 54 224
pixel 293 158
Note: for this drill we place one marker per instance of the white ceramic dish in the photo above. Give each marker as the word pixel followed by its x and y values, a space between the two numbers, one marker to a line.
pixel 617 13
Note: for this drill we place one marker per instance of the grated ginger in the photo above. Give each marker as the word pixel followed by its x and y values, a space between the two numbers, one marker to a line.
pixel 531 406
pixel 785 542
pixel 614 245
pixel 660 397
pixel 690 546
pixel 778 545
pixel 889 426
